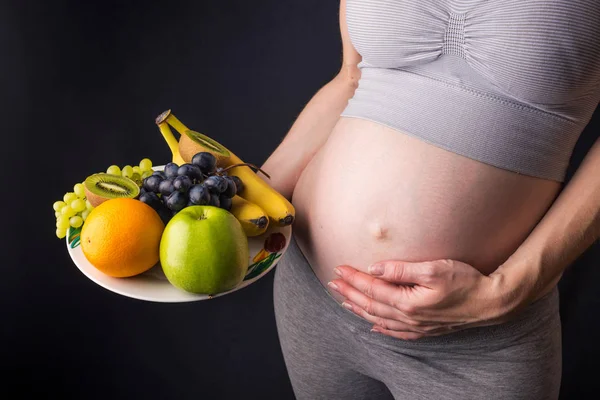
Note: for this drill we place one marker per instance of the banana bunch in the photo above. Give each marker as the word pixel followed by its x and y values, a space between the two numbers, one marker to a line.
pixel 258 204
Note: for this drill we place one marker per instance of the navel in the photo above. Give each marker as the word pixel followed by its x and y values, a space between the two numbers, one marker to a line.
pixel 378 231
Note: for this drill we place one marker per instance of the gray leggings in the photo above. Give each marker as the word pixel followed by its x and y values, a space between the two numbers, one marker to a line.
pixel 331 354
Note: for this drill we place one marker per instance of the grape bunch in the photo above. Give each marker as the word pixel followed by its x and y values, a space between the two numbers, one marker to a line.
pixel 136 173
pixel 200 182
pixel 74 208
pixel 71 211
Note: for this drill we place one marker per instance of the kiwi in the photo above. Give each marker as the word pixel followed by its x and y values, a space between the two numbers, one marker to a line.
pixel 102 187
pixel 193 142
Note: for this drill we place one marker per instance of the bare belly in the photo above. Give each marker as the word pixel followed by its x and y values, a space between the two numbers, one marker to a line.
pixel 372 193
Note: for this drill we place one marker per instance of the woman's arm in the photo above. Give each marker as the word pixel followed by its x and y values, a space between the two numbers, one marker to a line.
pixel 570 226
pixel 314 124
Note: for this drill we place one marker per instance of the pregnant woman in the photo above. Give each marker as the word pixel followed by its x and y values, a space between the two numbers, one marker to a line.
pixel 433 222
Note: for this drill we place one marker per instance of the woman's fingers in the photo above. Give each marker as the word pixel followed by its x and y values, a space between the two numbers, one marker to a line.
pixel 377 312
pixel 378 289
pixel 370 305
pixel 387 323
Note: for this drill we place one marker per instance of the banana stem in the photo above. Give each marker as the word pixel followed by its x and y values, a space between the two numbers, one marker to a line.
pixel 247 165
pixel 171 119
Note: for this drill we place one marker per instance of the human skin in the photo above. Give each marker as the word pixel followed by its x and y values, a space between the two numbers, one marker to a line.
pixel 461 243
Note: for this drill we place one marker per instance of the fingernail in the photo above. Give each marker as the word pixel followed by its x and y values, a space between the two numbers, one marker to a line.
pixel 375 330
pixel 333 286
pixel 376 269
pixel 337 271
pixel 347 306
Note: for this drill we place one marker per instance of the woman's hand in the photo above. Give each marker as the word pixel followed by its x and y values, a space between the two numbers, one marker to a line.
pixel 412 300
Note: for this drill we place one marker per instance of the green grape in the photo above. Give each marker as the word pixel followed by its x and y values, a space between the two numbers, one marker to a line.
pixel 114 170
pixel 68 211
pixel 146 174
pixel 57 214
pixel 79 190
pixel 62 222
pixel 84 214
pixel 61 233
pixel 78 205
pixel 146 164
pixel 58 205
pixel 69 197
pixel 137 170
pixel 76 221
pixel 127 171
pixel 89 205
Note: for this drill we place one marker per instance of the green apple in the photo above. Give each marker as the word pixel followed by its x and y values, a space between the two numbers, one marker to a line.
pixel 204 249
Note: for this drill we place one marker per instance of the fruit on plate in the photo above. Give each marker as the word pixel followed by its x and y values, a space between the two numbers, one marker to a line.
pixel 164 128
pixel 178 186
pixel 101 187
pixel 255 189
pixel 201 182
pixel 253 219
pixel 204 250
pixel 121 237
pixel 74 208
pixel 185 153
pixel 136 173
pixel 71 211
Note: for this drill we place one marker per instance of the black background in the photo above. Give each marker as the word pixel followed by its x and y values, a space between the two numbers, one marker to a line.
pixel 80 84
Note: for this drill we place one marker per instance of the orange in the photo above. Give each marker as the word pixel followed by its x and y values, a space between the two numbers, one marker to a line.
pixel 121 237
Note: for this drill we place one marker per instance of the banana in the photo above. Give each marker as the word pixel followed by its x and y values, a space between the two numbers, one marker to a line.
pixel 279 210
pixel 163 126
pixel 257 191
pixel 253 219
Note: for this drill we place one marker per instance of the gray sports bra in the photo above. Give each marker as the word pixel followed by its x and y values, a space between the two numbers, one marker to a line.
pixel 511 83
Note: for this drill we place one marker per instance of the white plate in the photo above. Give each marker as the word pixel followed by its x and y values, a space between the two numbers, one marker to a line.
pixel 153 285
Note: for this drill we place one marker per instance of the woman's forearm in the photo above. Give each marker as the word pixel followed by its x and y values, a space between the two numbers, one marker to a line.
pixel 570 226
pixel 310 131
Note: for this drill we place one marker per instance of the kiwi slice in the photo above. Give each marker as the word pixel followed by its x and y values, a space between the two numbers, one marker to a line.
pixel 102 187
pixel 193 142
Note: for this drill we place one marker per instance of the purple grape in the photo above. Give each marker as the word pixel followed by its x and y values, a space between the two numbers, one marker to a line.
pixel 231 189
pixel 182 183
pixel 166 187
pixel 239 185
pixel 225 202
pixel 152 183
pixel 176 201
pixel 199 195
pixel 214 200
pixel 160 173
pixel 191 171
pixel 197 175
pixel 206 161
pixel 216 184
pixel 171 169
pixel 151 199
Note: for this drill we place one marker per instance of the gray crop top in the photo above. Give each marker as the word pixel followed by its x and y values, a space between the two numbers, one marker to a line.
pixel 511 83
